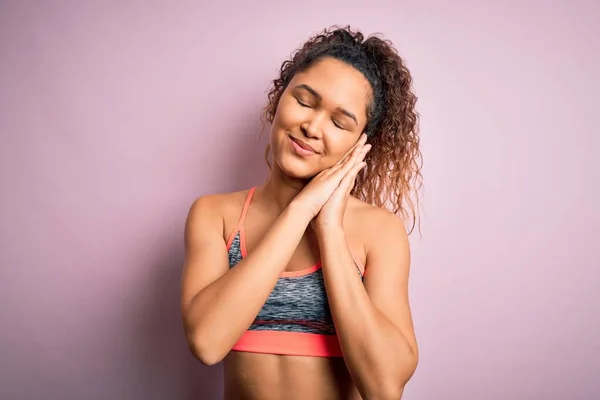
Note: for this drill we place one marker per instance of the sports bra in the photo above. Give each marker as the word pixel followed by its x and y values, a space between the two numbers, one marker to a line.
pixel 295 319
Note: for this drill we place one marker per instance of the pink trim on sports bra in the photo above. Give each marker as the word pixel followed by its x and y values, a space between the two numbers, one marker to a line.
pixel 298 328
pixel 239 227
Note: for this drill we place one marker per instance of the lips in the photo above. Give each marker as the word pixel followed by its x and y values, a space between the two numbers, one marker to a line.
pixel 305 146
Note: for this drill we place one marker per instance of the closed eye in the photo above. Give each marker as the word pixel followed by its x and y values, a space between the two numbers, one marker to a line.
pixel 337 125
pixel 302 104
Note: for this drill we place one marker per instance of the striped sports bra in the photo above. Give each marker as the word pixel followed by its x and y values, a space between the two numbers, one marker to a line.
pixel 295 319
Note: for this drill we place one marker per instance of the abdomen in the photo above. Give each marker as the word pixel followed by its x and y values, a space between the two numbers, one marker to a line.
pixel 255 376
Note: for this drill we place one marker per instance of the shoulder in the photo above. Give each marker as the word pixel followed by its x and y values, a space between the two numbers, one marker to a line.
pixel 215 208
pixel 378 226
pixel 218 201
pixel 375 217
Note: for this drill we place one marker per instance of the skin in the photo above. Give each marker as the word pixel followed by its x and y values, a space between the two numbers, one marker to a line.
pixel 306 212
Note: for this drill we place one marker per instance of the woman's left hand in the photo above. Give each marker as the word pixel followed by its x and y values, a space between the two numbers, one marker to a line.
pixel 332 213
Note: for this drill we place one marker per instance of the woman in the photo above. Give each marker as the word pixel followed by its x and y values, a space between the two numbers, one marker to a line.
pixel 301 285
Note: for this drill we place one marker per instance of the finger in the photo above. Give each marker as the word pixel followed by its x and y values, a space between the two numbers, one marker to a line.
pixel 361 141
pixel 347 183
pixel 357 157
pixel 344 169
pixel 351 173
pixel 346 157
pixel 345 162
pixel 364 151
pixel 353 183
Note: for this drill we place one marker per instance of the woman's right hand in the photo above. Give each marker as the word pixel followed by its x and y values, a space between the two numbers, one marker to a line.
pixel 321 187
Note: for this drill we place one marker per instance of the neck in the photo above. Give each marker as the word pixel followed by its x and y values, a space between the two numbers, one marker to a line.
pixel 280 189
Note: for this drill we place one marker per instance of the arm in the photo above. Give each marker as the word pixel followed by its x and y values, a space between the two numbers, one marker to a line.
pixel 373 321
pixel 218 303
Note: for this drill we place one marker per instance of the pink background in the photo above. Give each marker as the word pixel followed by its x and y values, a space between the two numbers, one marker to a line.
pixel 116 115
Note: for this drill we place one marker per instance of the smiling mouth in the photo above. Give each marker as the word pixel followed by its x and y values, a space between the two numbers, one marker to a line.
pixel 304 146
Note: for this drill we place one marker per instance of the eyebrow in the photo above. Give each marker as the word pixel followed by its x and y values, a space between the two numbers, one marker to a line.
pixel 318 96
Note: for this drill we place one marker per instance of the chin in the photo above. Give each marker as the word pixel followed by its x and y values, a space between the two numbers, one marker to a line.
pixel 295 168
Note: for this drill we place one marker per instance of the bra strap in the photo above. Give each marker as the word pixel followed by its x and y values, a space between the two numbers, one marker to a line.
pixel 240 224
pixel 246 206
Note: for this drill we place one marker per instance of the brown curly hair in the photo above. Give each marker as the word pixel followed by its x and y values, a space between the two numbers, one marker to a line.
pixel 392 178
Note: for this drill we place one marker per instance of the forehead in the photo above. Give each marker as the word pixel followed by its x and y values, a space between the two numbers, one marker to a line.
pixel 339 84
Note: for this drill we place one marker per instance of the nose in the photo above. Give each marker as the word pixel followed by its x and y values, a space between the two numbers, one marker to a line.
pixel 313 127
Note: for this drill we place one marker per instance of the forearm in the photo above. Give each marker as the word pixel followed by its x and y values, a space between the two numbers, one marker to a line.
pixel 219 314
pixel 376 353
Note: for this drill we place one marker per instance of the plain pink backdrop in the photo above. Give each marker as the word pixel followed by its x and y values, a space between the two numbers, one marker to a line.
pixel 116 115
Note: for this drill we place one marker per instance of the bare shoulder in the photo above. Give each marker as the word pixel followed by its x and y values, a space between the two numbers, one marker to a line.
pixel 375 220
pixel 219 201
pixel 205 247
pixel 377 226
pixel 215 209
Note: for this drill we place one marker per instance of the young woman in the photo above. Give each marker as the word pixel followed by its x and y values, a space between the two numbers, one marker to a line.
pixel 301 285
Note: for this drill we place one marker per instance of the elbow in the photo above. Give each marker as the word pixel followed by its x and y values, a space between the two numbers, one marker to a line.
pixel 386 388
pixel 205 351
pixel 390 392
pixel 207 358
pixel 392 386
pixel 200 342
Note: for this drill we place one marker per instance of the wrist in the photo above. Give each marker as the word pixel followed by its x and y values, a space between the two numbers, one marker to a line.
pixel 299 210
pixel 329 230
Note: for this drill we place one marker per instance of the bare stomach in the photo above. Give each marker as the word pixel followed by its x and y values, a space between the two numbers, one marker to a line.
pixel 253 376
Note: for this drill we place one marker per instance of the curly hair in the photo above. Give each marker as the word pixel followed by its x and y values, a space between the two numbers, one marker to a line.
pixel 392 178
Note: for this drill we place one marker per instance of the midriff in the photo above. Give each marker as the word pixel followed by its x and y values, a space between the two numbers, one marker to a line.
pixel 256 376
